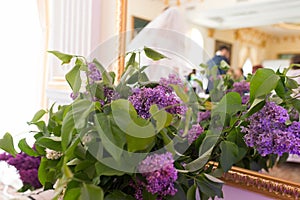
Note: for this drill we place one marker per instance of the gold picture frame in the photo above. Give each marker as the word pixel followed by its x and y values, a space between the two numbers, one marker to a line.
pixel 261 183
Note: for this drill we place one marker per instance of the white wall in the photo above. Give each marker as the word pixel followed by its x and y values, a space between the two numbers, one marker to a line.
pixel 21 64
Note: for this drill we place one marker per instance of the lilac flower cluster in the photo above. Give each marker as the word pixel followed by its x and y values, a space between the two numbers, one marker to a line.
pixel 172 79
pixel 110 94
pixel 138 186
pixel 27 167
pixel 194 133
pixel 245 99
pixel 202 116
pixel 269 134
pixel 74 95
pixel 295 129
pixel 241 87
pixel 93 73
pixel 143 98
pixel 160 174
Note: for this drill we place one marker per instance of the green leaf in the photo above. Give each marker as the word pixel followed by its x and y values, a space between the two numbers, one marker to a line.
pixel 168 142
pixel 7 144
pixel 199 162
pixel 291 83
pixel 140 133
pixel 296 104
pixel 75 119
pixel 113 141
pixel 74 79
pixel 180 93
pixel 149 196
pixel 256 105
pixel 117 194
pixel 280 89
pixel 229 154
pixel 26 148
pixel 67 130
pixel 131 60
pixel 188 117
pixel 72 193
pixel 80 111
pixel 138 144
pixel 162 118
pixel 191 193
pixel 262 83
pixel 152 54
pixel 65 58
pixel 128 121
pixel 213 179
pixel 53 143
pixel 231 103
pixel 209 141
pixel 209 188
pixel 113 76
pixel 104 170
pixel 42 171
pixel 41 125
pixel 38 115
pixel 91 192
pixel 180 194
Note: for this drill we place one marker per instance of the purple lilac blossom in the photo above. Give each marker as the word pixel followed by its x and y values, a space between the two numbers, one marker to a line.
pixel 143 98
pixel 138 187
pixel 241 87
pixel 294 128
pixel 30 176
pixel 202 116
pixel 27 167
pixel 160 174
pixel 194 133
pixel 172 79
pixel 267 131
pixel 110 94
pixel 245 99
pixel 93 73
pixel 74 95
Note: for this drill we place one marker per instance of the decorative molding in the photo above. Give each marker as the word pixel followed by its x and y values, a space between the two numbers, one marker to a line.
pixel 260 183
pixel 251 36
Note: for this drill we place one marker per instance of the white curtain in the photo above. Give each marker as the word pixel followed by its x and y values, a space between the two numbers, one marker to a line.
pixel 21 66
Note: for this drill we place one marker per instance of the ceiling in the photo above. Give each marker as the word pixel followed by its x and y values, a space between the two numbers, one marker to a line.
pixel 233 14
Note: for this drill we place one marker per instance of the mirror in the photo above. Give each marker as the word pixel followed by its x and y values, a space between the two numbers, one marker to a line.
pixel 258 32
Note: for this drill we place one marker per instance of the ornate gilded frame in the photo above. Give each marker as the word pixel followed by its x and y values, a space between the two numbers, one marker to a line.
pixel 262 183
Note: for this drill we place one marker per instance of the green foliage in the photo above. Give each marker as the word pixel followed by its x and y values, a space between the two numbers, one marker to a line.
pixel 154 55
pixel 97 139
pixel 74 79
pixel 7 144
pixel 262 83
pixel 65 58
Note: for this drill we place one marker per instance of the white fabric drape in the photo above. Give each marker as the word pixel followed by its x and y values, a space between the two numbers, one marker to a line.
pixel 168 34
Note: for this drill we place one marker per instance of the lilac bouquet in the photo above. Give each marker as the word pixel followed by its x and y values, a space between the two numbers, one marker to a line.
pixel 139 139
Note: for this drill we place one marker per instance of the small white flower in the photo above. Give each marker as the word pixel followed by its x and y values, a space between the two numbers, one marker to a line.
pixel 53 155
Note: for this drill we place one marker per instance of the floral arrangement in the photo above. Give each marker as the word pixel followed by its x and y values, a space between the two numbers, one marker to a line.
pixel 138 139
pixel 27 167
